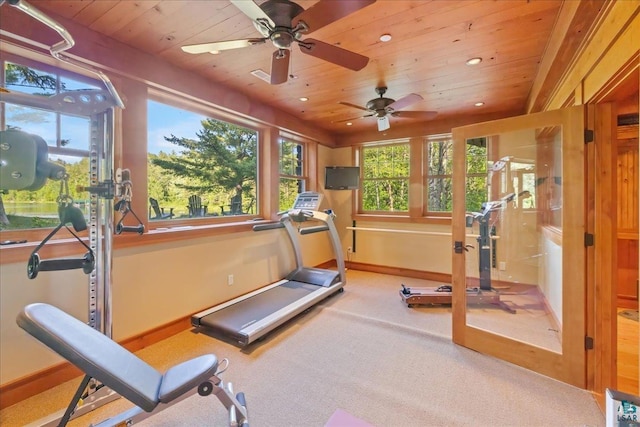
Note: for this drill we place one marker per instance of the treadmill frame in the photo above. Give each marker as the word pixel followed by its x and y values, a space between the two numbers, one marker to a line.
pixel 257 329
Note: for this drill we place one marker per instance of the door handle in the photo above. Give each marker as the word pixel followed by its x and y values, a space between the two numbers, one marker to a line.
pixel 458 247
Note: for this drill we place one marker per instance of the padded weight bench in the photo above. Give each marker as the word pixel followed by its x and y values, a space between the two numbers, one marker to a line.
pixel 102 359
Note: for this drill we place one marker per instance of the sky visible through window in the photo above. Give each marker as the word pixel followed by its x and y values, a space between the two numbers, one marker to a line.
pixel 74 130
pixel 164 120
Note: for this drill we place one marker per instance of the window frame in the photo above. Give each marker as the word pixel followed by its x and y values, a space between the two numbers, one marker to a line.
pixel 209 111
pixel 130 143
pixel 360 212
pixel 303 176
pixel 418 175
pixel 59 72
pixel 426 175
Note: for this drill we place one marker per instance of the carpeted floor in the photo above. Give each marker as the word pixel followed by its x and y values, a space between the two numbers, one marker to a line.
pixel 363 353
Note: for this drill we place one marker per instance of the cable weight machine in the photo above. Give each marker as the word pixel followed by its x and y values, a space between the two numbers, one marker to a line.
pixel 20 149
pixel 97 105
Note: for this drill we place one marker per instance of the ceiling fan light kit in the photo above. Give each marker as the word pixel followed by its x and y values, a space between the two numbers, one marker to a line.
pixel 382 108
pixel 284 22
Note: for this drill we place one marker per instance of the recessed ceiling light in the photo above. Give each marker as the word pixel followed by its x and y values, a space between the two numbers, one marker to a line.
pixel 304 99
pixel 349 123
pixel 385 37
pixel 214 52
pixel 479 104
pixel 474 61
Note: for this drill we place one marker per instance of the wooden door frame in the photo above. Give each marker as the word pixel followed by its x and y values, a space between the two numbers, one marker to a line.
pixel 570 365
pixel 601 158
pixel 602 256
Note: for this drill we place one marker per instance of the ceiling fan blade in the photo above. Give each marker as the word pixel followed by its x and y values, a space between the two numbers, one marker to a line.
pixel 353 118
pixel 421 115
pixel 252 10
pixel 337 55
pixel 224 45
pixel 280 66
pixel 401 103
pixel 325 12
pixel 348 104
pixel 383 123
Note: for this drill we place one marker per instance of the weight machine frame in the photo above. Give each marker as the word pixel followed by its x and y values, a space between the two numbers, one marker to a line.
pixel 100 111
pixel 98 106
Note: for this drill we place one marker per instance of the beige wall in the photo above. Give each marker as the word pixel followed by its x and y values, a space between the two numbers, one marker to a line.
pixel 152 285
pixel 340 201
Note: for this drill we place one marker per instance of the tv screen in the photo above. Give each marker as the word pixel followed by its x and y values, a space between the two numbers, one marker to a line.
pixel 341 177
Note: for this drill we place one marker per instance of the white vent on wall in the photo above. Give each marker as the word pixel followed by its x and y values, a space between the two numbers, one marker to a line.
pixel 262 75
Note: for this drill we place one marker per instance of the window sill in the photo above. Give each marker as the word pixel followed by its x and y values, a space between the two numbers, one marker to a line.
pixel 403 218
pixel 60 248
pixel 176 232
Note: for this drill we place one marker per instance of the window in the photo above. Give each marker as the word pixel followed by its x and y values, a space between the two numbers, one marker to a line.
pixel 292 173
pixel 199 167
pixel 439 169
pixel 439 172
pixel 385 182
pixel 67 138
pixel 477 191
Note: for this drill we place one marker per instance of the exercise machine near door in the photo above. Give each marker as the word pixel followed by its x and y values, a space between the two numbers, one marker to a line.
pixel 251 316
pixel 483 294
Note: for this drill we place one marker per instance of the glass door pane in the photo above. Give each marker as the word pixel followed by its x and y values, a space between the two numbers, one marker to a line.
pixel 514 269
pixel 518 237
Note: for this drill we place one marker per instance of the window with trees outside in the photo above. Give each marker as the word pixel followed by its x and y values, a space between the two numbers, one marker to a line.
pixel 292 173
pixel 385 179
pixel 199 167
pixel 67 139
pixel 439 172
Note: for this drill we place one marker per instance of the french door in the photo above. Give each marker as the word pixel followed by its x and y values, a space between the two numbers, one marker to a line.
pixel 519 241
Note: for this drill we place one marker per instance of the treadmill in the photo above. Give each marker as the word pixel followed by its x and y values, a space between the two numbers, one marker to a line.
pixel 249 317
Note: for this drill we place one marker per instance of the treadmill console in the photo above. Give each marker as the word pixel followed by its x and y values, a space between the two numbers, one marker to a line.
pixel 308 200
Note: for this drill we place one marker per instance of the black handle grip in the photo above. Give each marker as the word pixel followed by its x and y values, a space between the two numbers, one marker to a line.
pixel 129 229
pixel 36 265
pixel 316 229
pixel 270 226
pixel 61 264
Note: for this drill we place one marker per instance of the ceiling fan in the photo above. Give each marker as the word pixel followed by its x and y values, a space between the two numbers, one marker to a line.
pixel 383 107
pixel 284 22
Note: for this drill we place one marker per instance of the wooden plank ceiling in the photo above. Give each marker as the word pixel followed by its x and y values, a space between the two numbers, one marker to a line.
pixel 431 41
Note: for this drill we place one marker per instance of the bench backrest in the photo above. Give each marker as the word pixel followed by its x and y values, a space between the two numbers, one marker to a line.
pixel 94 353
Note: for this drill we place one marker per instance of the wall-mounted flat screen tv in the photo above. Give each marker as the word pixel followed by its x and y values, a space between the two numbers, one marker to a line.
pixel 341 177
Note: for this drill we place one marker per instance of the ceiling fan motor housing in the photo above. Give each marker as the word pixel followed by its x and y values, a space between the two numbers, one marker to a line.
pixel 281 13
pixel 379 105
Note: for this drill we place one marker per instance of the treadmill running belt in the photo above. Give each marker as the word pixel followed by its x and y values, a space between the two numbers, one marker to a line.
pixel 236 317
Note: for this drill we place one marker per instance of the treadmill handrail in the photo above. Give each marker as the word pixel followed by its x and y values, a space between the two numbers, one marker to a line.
pixel 327 219
pixel 268 226
pixel 314 229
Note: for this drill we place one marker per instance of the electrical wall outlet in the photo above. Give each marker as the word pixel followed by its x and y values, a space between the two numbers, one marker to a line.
pixel 230 279
pixel 502 266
